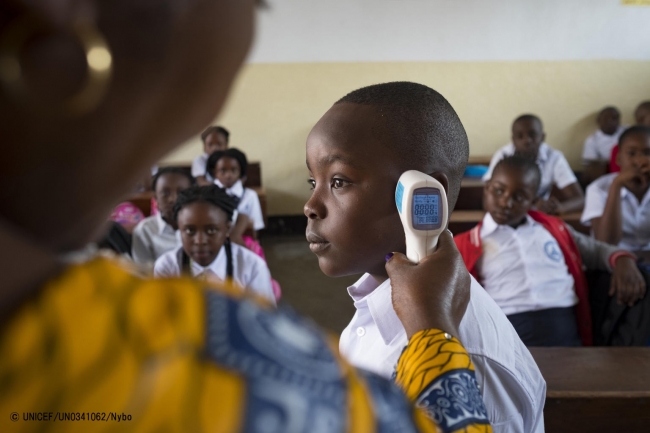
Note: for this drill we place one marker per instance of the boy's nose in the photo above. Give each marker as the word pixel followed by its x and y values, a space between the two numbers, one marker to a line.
pixel 313 210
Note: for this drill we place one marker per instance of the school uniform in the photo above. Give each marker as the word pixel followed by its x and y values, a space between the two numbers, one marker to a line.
pixel 249 202
pixel 598 146
pixel 635 214
pixel 551 162
pixel 512 386
pixel 153 237
pixel 535 274
pixel 199 166
pixel 248 270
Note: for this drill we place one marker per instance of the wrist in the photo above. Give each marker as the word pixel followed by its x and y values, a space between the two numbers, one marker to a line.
pixel 620 254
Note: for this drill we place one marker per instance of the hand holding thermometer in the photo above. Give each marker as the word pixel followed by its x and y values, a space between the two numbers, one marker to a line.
pixel 422 204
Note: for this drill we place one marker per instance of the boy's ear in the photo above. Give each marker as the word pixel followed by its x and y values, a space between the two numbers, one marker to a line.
pixel 543 137
pixel 442 178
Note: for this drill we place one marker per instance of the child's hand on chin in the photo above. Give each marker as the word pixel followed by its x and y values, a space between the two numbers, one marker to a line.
pixel 433 293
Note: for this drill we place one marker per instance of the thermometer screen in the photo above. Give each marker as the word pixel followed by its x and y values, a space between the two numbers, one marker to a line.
pixel 426 209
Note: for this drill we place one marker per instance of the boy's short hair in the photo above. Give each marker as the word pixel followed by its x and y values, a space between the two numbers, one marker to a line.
pixel 529 117
pixel 522 163
pixel 171 170
pixel 210 129
pixel 639 129
pixel 232 152
pixel 644 106
pixel 426 131
pixel 608 108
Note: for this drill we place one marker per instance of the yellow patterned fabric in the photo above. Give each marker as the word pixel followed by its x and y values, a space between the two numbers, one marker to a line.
pixel 100 349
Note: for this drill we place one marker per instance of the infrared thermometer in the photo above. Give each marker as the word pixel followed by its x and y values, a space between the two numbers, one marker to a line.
pixel 422 205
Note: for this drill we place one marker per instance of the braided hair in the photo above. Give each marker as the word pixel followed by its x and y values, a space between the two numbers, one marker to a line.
pixel 214 196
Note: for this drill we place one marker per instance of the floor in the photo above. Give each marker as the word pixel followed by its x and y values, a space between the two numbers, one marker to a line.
pixel 304 286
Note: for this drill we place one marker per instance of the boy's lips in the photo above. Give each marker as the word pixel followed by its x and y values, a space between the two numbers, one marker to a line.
pixel 316 243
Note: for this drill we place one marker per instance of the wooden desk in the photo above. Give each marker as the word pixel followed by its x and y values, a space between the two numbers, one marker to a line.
pixel 479 160
pixel 595 389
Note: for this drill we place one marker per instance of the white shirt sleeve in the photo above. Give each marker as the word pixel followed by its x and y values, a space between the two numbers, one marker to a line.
pixel 498 156
pixel 595 200
pixel 167 265
pixel 142 246
pixel 198 166
pixel 562 174
pixel 589 151
pixel 254 209
pixel 260 280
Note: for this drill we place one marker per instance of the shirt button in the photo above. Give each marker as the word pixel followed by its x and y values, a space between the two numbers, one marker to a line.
pixel 361 331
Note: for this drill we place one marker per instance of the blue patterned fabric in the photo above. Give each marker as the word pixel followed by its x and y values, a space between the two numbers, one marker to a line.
pixel 454 401
pixel 284 359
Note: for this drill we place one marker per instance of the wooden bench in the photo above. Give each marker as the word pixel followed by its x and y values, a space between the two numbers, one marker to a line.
pixel 595 389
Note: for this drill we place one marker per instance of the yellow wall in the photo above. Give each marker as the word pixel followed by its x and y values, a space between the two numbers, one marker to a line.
pixel 273 107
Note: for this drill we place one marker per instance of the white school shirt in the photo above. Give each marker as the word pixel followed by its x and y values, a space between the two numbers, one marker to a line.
pixel 153 237
pixel 249 270
pixel 551 162
pixel 523 269
pixel 635 215
pixel 249 202
pixel 598 146
pixel 199 166
pixel 512 386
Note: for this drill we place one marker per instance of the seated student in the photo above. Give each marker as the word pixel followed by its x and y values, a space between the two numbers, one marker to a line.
pixel 528 139
pixel 355 156
pixel 203 215
pixel 598 146
pixel 228 169
pixel 641 118
pixel 155 235
pixel 215 138
pixel 618 204
pixel 531 263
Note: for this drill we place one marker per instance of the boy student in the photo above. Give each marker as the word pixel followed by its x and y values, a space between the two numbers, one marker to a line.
pixel 355 155
pixel 531 264
pixel 155 235
pixel 618 204
pixel 215 138
pixel 598 146
pixel 528 139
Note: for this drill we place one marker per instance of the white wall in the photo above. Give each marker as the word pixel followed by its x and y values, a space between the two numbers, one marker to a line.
pixel 451 30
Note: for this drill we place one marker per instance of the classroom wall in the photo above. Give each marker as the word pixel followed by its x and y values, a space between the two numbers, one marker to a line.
pixel 492 60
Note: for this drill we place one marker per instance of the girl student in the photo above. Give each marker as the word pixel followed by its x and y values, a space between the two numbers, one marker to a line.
pixel 155 235
pixel 229 169
pixel 203 215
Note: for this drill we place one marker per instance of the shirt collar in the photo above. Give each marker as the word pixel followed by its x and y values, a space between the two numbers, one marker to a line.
pixel 163 226
pixel 489 226
pixel 380 305
pixel 237 189
pixel 210 270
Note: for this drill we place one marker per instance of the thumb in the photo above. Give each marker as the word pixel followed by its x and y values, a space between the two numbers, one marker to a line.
pixel 396 262
pixel 446 240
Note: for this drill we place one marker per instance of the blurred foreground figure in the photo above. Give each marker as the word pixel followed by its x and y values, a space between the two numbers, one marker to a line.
pixel 92 94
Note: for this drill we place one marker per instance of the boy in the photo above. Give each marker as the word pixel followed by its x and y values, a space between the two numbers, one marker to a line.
pixel 528 138
pixel 214 138
pixel 598 146
pixel 155 235
pixel 641 118
pixel 531 263
pixel 355 155
pixel 618 204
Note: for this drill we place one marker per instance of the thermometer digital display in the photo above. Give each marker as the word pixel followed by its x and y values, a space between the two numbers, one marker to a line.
pixel 422 204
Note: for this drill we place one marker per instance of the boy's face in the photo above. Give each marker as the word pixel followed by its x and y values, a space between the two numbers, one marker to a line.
pixel 509 195
pixel 527 136
pixel 167 188
pixel 643 117
pixel 609 120
pixel 634 154
pixel 227 171
pixel 204 229
pixel 214 142
pixel 352 219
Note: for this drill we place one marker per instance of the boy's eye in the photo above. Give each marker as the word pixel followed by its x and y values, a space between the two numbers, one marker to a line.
pixel 338 183
pixel 189 231
pixel 312 183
